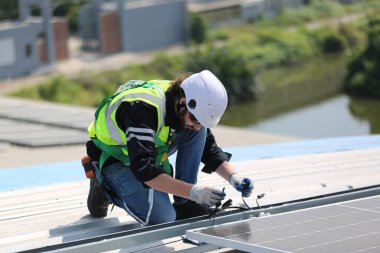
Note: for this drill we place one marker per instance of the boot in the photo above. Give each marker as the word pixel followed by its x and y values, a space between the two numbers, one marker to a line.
pixel 97 201
pixel 191 209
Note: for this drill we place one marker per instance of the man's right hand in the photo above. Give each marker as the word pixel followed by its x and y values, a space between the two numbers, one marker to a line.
pixel 206 195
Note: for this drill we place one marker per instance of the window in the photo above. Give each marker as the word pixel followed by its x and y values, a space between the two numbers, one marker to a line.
pixel 28 50
pixel 7 51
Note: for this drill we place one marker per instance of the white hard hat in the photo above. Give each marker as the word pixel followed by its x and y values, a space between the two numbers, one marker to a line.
pixel 206 97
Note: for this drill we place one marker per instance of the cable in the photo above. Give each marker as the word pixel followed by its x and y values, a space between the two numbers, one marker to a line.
pixel 219 208
pixel 257 201
pixel 259 197
pixel 228 204
pixel 246 187
pixel 249 208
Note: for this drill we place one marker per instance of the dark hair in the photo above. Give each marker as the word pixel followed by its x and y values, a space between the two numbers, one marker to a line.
pixel 175 87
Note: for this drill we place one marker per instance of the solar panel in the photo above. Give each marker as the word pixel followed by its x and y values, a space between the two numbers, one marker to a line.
pixel 45 114
pixel 352 226
pixel 38 135
pixel 33 124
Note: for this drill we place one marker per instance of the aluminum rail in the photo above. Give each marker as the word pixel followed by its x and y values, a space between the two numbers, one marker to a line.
pixel 145 235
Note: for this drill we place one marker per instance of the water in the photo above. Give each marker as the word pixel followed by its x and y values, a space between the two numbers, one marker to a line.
pixel 335 116
pixel 329 118
pixel 307 101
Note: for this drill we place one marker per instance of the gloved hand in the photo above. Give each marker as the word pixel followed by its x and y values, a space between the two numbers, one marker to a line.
pixel 206 195
pixel 242 184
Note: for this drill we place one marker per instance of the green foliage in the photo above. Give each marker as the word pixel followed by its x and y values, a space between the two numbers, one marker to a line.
pixel 220 34
pixel 314 10
pixel 327 8
pixel 333 42
pixel 373 49
pixel 266 56
pixel 237 55
pixel 306 2
pixel 229 66
pixel 89 88
pixel 363 77
pixel 72 17
pixel 363 5
pixel 328 40
pixel 198 28
pixel 99 84
pixel 290 17
pixel 8 9
pixel 351 34
pixel 69 10
pixel 294 46
pixel 164 66
pixel 63 90
pixel 279 47
pixel 323 74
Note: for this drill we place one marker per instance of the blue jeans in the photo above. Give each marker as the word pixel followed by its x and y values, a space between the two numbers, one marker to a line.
pixel 146 205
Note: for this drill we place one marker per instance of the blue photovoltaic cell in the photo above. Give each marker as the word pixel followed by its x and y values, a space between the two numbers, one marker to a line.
pixel 352 226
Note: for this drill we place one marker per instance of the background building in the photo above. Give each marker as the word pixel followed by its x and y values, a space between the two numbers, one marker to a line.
pixel 112 26
pixel 230 12
pixel 131 25
pixel 32 42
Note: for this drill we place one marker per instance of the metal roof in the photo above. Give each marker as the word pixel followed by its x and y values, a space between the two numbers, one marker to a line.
pixel 44 205
pixel 55 214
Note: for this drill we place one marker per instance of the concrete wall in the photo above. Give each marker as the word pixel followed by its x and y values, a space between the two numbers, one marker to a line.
pixel 23 48
pixel 45 6
pixel 253 11
pixel 219 13
pixel 109 32
pixel 154 26
pixel 223 16
pixel 32 42
pixel 88 26
pixel 292 3
pixel 61 37
pixel 266 8
pixel 19 45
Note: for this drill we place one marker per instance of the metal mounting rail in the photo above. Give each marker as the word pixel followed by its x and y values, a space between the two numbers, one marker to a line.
pixel 145 235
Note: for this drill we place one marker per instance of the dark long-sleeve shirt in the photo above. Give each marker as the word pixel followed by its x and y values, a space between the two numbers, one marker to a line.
pixel 139 121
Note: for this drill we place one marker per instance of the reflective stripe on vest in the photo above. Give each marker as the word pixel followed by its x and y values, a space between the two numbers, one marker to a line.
pixel 111 107
pixel 111 138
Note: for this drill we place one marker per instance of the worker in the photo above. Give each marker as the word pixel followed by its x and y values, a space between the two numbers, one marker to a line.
pixel 135 131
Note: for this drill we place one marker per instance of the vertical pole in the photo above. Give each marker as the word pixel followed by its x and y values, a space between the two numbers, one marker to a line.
pixel 122 22
pixel 98 20
pixel 24 10
pixel 49 32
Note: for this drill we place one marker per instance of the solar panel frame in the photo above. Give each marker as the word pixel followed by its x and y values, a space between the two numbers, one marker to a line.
pixel 350 226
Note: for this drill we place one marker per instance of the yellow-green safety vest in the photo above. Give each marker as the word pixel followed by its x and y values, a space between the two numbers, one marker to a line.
pixel 108 137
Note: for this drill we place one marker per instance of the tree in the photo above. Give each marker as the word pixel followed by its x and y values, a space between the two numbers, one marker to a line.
pixel 8 10
pixel 230 67
pixel 198 28
pixel 363 77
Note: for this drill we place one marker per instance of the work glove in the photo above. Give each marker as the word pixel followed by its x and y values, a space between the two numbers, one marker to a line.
pixel 241 184
pixel 205 195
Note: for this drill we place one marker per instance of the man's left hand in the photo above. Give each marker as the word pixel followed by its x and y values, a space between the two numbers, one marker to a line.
pixel 242 184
